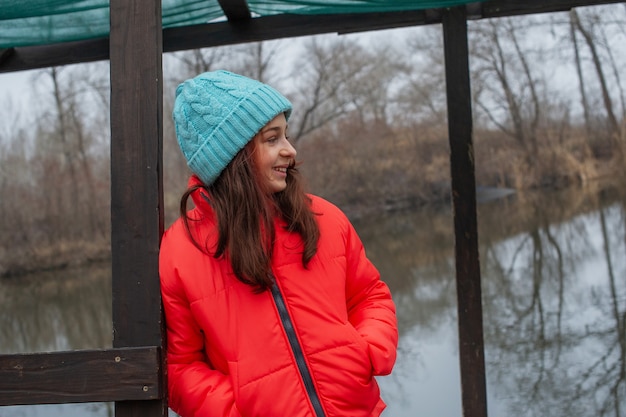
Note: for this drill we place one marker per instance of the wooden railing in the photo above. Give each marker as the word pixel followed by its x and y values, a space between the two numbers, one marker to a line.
pixel 81 376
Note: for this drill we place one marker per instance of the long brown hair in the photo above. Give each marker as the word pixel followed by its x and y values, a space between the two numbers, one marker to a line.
pixel 245 214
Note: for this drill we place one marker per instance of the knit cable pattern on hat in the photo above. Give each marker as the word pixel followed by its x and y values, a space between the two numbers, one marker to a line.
pixel 217 113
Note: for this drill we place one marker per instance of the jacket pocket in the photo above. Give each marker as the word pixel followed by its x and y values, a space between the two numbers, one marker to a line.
pixel 364 352
pixel 344 376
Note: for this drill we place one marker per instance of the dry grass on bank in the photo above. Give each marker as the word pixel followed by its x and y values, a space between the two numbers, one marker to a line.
pixel 369 168
pixel 19 260
pixel 557 163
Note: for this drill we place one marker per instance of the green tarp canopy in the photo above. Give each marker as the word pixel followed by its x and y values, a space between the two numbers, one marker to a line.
pixel 44 22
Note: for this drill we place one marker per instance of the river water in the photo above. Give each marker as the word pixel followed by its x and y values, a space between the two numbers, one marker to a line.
pixel 554 303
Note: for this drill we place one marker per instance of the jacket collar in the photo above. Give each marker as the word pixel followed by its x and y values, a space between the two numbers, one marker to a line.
pixel 200 197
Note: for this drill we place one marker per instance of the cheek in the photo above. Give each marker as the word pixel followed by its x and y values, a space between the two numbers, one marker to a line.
pixel 265 160
pixel 260 159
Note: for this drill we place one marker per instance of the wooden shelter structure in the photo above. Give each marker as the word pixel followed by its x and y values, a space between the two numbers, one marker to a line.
pixel 131 374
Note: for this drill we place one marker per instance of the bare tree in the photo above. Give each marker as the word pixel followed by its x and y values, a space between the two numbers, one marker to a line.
pixel 590 40
pixel 62 133
pixel 259 60
pixel 335 77
pixel 196 61
pixel 422 98
pixel 508 83
pixel 579 74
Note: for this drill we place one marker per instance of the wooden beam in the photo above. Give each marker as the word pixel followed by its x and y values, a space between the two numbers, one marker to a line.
pixel 235 9
pixel 136 50
pixel 468 285
pixel 213 34
pixel 45 56
pixel 504 8
pixel 81 376
pixel 286 26
pixel 275 27
pixel 5 54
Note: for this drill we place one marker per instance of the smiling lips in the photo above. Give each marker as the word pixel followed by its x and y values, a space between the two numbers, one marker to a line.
pixel 282 169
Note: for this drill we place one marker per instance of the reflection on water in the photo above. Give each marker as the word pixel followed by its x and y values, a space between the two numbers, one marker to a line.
pixel 556 308
pixel 55 311
pixel 554 291
pixel 554 288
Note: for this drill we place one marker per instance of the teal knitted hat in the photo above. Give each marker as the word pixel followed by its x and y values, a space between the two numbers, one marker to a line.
pixel 217 113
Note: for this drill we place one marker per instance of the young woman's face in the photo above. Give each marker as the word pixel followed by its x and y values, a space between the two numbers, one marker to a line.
pixel 273 153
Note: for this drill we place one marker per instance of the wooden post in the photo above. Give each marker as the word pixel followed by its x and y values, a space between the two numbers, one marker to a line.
pixel 136 48
pixel 470 321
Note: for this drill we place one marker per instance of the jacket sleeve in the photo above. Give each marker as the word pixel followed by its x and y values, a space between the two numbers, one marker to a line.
pixel 195 389
pixel 371 309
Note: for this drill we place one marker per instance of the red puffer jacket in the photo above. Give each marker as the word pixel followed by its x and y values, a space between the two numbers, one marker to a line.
pixel 310 347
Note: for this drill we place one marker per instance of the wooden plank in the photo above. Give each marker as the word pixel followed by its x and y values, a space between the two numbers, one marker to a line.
pixel 504 8
pixel 5 54
pixel 136 50
pixel 81 376
pixel 286 26
pixel 468 286
pixel 214 34
pixel 275 27
pixel 34 57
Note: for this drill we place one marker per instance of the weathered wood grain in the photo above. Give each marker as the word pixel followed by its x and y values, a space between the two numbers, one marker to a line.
pixel 81 376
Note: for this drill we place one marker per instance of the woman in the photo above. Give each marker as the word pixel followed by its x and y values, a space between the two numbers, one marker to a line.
pixel 271 306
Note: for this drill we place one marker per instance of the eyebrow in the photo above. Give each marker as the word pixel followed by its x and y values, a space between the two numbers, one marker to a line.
pixel 276 128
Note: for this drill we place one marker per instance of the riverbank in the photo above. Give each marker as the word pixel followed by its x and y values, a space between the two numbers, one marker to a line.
pixel 18 261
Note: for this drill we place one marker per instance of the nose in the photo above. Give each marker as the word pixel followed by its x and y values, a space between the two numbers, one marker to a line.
pixel 288 150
